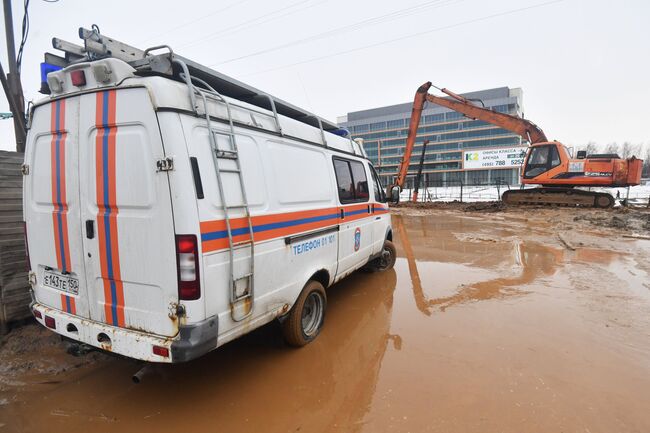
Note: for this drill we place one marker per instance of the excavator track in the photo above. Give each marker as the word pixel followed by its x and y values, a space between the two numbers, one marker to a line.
pixel 558 197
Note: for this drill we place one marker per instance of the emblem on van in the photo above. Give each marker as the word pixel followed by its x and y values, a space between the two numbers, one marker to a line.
pixel 165 164
pixel 357 239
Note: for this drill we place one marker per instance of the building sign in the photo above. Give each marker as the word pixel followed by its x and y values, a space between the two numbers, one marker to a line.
pixel 494 158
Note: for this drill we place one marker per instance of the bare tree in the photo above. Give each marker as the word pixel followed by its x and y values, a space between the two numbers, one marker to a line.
pixel 646 161
pixel 611 148
pixel 629 150
pixel 590 148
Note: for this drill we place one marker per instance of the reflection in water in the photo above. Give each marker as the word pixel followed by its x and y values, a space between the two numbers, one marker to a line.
pixel 255 383
pixel 535 366
pixel 534 260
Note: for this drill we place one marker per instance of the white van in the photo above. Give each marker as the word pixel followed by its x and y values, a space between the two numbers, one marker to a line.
pixel 158 232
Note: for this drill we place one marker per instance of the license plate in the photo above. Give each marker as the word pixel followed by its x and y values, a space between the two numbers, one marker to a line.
pixel 65 283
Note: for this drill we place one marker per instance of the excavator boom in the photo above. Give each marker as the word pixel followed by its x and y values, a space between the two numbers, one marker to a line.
pixel 515 124
pixel 416 114
pixel 524 128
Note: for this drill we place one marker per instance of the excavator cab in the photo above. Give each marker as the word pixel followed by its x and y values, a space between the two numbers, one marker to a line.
pixel 541 158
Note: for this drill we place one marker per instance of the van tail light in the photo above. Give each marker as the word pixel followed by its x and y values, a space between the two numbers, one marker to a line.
pixel 37 314
pixel 187 262
pixel 78 78
pixel 28 265
pixel 50 322
pixel 161 351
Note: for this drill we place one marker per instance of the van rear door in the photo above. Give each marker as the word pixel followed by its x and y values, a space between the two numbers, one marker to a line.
pixel 118 208
pixel 51 207
pixel 126 213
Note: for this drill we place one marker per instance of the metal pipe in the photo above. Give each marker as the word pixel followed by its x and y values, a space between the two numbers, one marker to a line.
pixel 9 36
pixel 10 98
pixel 188 81
pixel 143 372
pixel 13 81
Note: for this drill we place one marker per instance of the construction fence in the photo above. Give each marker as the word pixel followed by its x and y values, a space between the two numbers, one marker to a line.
pixel 441 191
pixel 14 288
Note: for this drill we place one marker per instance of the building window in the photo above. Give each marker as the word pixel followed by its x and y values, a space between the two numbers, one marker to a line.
pixel 453 116
pixel 431 118
pixel 377 126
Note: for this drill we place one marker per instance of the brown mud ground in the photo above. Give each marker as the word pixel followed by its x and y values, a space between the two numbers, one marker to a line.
pixel 494 319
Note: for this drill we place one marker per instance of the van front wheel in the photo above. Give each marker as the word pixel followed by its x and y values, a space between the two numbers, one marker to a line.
pixel 388 256
pixel 386 260
pixel 307 316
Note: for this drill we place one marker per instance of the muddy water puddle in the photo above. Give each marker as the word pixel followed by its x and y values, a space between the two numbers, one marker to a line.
pixel 483 325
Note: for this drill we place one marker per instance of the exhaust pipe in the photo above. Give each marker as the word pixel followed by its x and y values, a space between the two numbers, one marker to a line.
pixel 140 374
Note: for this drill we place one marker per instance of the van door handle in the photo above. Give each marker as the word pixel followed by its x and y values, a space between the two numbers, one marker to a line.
pixel 378 218
pixel 90 229
pixel 342 213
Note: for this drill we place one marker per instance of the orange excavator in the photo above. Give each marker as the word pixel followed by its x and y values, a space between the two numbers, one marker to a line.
pixel 547 163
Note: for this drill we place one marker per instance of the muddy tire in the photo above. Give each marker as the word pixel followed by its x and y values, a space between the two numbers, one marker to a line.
pixel 307 316
pixel 386 261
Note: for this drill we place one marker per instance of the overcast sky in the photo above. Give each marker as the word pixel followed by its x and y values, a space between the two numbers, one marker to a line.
pixel 584 65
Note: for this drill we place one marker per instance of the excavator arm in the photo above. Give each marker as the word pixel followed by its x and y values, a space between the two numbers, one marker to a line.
pixel 522 127
pixel 416 114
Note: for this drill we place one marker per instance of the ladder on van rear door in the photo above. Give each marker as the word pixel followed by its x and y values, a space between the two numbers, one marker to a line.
pixel 227 162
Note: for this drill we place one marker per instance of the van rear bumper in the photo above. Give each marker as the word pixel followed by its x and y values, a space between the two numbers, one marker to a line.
pixel 191 341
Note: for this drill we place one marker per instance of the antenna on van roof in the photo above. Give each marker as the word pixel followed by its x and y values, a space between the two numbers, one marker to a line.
pixel 97 46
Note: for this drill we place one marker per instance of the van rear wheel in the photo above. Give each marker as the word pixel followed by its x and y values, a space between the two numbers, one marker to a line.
pixel 307 316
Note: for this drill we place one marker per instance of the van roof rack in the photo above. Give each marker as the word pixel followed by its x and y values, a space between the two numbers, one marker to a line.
pixel 97 46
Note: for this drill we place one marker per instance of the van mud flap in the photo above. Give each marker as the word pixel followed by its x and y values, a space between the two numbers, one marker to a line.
pixel 195 340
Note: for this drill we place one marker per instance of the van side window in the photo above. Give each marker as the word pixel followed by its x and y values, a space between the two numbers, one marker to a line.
pixel 361 191
pixel 344 180
pixel 351 180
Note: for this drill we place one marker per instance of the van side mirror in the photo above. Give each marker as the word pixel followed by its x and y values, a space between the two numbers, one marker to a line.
pixel 582 154
pixel 393 194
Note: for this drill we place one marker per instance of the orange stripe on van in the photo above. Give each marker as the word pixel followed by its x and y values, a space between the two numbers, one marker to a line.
pixel 106 185
pixel 59 195
pixel 68 304
pixel 214 235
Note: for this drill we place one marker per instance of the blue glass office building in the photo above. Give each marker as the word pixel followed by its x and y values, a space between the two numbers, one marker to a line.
pixel 450 136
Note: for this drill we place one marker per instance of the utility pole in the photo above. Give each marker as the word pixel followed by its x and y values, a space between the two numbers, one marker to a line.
pixel 12 86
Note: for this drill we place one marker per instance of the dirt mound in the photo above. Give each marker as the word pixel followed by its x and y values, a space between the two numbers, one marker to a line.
pixel 490 206
pixel 624 219
pixel 17 351
pixel 486 206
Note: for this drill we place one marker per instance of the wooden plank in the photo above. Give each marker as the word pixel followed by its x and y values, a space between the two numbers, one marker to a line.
pixel 9 269
pixel 11 193
pixel 14 181
pixel 11 155
pixel 13 243
pixel 14 287
pixel 17 282
pixel 8 207
pixel 9 168
pixel 17 310
pixel 11 218
pixel 11 228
